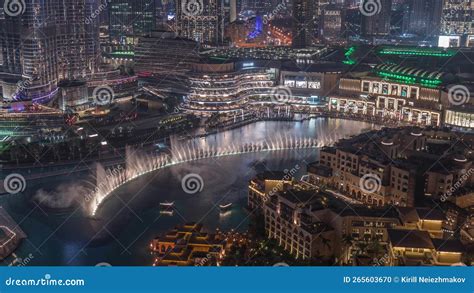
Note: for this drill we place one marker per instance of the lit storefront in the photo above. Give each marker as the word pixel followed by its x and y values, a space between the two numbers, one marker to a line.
pixel 309 88
pixel 380 98
pixel 222 88
pixel 459 118
pixel 302 82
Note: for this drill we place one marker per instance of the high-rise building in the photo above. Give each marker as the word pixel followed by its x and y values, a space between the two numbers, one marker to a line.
pixel 50 41
pixel 201 20
pixel 331 22
pixel 376 18
pixel 230 8
pixel 130 19
pixel 423 17
pixel 164 54
pixel 258 6
pixel 458 17
pixel 303 23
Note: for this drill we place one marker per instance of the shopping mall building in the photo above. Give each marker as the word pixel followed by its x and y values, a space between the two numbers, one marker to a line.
pixel 232 86
pixel 386 92
pixel 226 87
pixel 401 93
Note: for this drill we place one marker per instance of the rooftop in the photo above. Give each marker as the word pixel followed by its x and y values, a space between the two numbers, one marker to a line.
pixel 417 214
pixel 410 74
pixel 416 51
pixel 410 239
pixel 453 245
pixel 271 175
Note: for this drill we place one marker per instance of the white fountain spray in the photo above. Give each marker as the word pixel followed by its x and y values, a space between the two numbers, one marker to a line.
pixel 138 164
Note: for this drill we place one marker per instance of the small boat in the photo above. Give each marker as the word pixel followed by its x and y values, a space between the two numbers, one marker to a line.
pixel 167 204
pixel 167 208
pixel 168 213
pixel 225 207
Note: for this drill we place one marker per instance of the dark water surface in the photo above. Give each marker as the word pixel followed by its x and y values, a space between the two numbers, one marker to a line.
pixel 130 219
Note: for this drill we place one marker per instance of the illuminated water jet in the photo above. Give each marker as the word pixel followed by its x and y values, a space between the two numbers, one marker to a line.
pixel 138 164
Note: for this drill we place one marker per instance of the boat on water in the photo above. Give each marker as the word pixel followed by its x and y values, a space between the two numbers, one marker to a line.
pixel 225 207
pixel 167 208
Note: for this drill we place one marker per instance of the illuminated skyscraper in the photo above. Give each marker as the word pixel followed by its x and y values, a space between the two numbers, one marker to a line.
pixel 131 18
pixel 200 20
pixel 56 40
pixel 458 17
pixel 331 22
pixel 376 22
pixel 303 23
pixel 423 17
pixel 230 8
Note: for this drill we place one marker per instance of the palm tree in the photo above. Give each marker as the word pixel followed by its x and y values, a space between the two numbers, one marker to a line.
pixel 376 247
pixel 347 241
pixel 361 247
pixel 326 242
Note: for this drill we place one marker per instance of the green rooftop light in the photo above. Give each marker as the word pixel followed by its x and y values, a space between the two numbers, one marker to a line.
pixel 427 52
pixel 432 83
pixel 349 60
pixel 123 53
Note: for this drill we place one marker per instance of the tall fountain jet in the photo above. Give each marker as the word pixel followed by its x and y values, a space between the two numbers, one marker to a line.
pixel 138 163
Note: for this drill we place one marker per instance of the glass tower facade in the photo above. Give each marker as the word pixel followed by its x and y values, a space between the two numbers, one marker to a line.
pixel 458 17
pixel 377 24
pixel 303 23
pixel 49 42
pixel 200 20
pixel 130 19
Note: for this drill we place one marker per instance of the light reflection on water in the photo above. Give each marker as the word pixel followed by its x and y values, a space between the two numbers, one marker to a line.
pixel 131 218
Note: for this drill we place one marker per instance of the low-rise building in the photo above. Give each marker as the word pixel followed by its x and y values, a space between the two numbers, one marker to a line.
pixel 416 247
pixel 394 92
pixel 397 167
pixel 188 245
pixel 289 220
pixel 312 222
pixel 430 220
pixel 11 234
pixel 264 185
